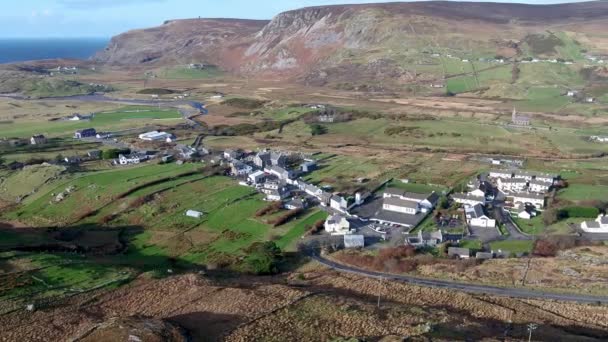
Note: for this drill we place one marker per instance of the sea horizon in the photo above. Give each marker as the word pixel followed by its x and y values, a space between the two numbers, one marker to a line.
pixel 13 50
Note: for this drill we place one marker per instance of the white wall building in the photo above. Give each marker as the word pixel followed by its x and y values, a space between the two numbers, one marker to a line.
pixel 157 136
pixel 469 200
pixel 600 225
pixel 337 225
pixel 401 206
pixel 538 200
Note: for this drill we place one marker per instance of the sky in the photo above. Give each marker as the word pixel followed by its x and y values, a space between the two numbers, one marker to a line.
pixel 105 18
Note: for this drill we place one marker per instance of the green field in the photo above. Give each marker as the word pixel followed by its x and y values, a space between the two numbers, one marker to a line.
pixel 419 188
pixel 513 246
pixel 583 192
pixel 462 84
pixel 128 117
pixel 185 73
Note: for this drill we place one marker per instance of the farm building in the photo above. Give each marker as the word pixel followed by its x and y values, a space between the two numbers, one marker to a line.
pixel 38 139
pixel 157 136
pixel 85 133
pixel 194 214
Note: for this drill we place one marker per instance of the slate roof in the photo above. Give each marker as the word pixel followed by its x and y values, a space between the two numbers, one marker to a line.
pixel 401 203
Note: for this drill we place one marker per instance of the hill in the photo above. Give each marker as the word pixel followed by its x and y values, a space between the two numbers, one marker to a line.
pixel 399 42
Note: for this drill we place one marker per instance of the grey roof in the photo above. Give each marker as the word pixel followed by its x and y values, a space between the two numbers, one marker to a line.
pixel 399 218
pixel 604 220
pixel 469 197
pixel 335 219
pixel 513 180
pixel 401 203
pixel 394 191
pixel 540 182
pixel 476 211
pixel 458 251
pixel 529 195
pixel 593 224
pixel 484 255
pixel 354 240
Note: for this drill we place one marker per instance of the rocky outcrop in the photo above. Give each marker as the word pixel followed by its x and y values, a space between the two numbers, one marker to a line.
pixel 312 43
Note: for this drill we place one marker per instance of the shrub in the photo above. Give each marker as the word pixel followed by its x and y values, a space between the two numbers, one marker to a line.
pixel 583 212
pixel 263 258
pixel 270 209
pixel 316 129
pixel 286 217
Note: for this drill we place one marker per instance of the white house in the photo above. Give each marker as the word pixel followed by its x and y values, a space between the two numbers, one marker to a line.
pixel 257 177
pixel 426 202
pixel 431 239
pixel 194 214
pixel 338 203
pixel 539 186
pixel 522 198
pixel 354 241
pixel 512 184
pixel 501 174
pixel 238 168
pixel 526 212
pixel 477 193
pixel 600 225
pixel 476 217
pixel 337 225
pixel 133 158
pixel 279 172
pixel 401 206
pixel 469 200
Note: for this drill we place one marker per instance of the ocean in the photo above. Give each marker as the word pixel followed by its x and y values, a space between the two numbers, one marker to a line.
pixel 19 50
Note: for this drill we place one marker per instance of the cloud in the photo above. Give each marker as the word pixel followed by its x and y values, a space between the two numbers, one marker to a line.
pixel 96 4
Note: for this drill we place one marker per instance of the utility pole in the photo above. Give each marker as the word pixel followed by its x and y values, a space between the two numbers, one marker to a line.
pixel 531 328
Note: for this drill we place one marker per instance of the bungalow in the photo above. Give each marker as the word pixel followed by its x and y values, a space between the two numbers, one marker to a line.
pixel 311 190
pixel 600 225
pixel 38 139
pixel 423 239
pixel 460 253
pixel 337 225
pixel 476 217
pixel 257 177
pixel 275 195
pixel 354 241
pixel 467 199
pixel 296 203
pixel 133 158
pixel 523 198
pixel 85 133
pixel 526 212
pixel 238 168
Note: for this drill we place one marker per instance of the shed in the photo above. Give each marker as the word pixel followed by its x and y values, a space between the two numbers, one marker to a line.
pixel 354 241
pixel 462 253
pixel 484 255
pixel 194 213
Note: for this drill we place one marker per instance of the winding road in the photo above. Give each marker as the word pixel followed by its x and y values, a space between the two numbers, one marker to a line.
pixel 470 288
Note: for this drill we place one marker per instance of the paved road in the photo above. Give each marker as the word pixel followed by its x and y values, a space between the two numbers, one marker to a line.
pixel 507 221
pixel 470 288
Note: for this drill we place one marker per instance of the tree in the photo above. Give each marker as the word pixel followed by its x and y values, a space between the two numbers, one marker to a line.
pixel 263 258
pixel 113 153
pixel 317 129
pixel 550 217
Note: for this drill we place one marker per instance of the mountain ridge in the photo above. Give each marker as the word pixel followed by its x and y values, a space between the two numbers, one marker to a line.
pixel 321 44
